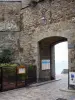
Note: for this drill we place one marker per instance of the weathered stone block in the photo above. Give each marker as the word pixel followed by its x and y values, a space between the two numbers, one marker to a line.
pixel 10 16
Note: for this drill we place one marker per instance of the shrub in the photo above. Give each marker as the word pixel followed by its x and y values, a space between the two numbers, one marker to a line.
pixel 6 56
pixel 8 65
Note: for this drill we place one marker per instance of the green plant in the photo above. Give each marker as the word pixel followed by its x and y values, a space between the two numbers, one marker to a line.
pixel 6 56
pixel 8 65
pixel 30 67
pixel 21 76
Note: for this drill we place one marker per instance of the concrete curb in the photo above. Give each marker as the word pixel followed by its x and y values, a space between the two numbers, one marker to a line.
pixel 67 90
pixel 42 83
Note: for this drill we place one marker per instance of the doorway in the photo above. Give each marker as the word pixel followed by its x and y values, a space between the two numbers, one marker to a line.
pixel 47 57
pixel 61 59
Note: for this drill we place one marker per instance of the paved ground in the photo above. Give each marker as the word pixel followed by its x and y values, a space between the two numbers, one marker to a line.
pixel 48 91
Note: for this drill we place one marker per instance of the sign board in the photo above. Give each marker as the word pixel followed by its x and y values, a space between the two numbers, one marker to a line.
pixel 45 64
pixel 72 78
pixel 21 70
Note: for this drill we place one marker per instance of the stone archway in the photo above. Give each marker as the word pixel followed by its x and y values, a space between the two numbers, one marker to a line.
pixel 47 57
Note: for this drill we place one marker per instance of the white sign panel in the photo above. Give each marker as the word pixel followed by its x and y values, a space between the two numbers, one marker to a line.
pixel 21 70
pixel 72 78
pixel 45 64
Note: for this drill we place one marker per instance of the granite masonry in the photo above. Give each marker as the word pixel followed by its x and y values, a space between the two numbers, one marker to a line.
pixel 32 28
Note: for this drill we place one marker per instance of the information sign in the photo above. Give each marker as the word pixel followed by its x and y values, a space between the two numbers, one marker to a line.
pixel 45 64
pixel 21 70
pixel 72 78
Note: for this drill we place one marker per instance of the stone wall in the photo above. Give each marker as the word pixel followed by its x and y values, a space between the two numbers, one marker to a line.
pixel 48 19
pixel 23 29
pixel 10 25
pixel 10 16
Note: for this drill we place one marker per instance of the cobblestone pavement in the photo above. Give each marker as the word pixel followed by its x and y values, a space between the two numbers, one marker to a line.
pixel 48 91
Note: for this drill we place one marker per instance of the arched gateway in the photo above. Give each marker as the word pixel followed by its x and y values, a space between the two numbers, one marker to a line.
pixel 47 57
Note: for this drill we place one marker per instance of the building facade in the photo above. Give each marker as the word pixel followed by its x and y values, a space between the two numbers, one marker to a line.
pixel 32 28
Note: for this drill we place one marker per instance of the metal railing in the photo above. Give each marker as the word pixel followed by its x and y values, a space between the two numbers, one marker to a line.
pixel 11 79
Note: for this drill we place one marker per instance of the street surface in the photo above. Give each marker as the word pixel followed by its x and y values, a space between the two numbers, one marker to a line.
pixel 50 91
